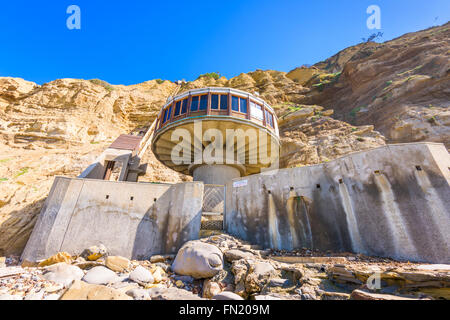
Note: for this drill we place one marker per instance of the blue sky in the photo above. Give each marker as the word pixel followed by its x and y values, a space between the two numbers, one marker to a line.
pixel 127 42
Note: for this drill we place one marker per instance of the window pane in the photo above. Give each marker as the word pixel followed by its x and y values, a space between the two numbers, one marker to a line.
pixel 184 106
pixel 177 108
pixel 223 102
pixel 243 105
pixel 215 101
pixel 203 102
pixel 166 112
pixel 194 103
pixel 169 113
pixel 256 110
pixel 235 103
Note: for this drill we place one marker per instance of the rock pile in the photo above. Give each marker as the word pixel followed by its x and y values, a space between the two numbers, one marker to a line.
pixel 222 267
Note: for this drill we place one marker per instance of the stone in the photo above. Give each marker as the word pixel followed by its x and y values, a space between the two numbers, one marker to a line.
pixel 53 296
pixel 363 295
pixel 117 263
pixel 95 252
pixel 29 264
pixel 139 294
pixel 84 291
pixel 59 257
pixel 185 279
pixel 157 258
pixel 278 282
pixel 100 275
pixel 63 273
pixel 262 268
pixel 227 295
pixel 141 275
pixel 210 289
pixel 3 262
pixel 35 296
pixel 158 274
pixel 265 297
pixel 7 296
pixel 234 254
pixel 172 293
pixel 198 259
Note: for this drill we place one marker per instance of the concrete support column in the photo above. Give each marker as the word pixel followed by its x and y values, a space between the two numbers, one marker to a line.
pixel 215 174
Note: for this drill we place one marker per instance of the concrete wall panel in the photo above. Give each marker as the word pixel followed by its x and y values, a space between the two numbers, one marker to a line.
pixel 134 220
pixel 391 201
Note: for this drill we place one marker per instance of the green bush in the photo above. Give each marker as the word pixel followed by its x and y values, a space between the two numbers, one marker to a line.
pixel 159 81
pixel 212 75
pixel 102 83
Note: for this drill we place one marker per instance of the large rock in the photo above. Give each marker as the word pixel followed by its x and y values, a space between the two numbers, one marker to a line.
pixel 95 252
pixel 227 295
pixel 84 291
pixel 63 273
pixel 172 294
pixel 59 257
pixel 198 259
pixel 363 295
pixel 100 275
pixel 141 275
pixel 117 263
pixel 234 254
pixel 210 289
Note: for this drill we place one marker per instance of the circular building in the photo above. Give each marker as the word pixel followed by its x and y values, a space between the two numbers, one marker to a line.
pixel 216 134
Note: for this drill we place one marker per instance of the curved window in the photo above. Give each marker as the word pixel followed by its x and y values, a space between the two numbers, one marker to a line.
pixel 269 118
pixel 214 101
pixel 243 105
pixel 256 110
pixel 184 106
pixel 223 102
pixel 235 103
pixel 203 102
pixel 194 103
pixel 177 108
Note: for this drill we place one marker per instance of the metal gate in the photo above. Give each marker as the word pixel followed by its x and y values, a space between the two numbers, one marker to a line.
pixel 213 207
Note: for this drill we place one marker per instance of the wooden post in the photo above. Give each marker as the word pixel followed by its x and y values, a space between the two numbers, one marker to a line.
pixel 229 103
pixel 208 107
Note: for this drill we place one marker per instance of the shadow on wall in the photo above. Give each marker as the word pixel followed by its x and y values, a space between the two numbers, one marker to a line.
pixel 159 232
pixel 16 229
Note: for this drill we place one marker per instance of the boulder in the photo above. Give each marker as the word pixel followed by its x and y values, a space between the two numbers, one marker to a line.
pixel 172 293
pixel 363 295
pixel 265 297
pixel 84 291
pixel 139 294
pixel 198 259
pixel 141 275
pixel 63 273
pixel 59 257
pixel 117 263
pixel 94 253
pixel 235 254
pixel 100 275
pixel 210 289
pixel 227 295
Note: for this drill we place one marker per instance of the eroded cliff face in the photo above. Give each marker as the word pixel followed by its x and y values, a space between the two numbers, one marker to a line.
pixel 399 88
pixel 402 86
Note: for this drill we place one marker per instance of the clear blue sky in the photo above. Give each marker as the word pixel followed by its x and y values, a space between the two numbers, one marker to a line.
pixel 127 42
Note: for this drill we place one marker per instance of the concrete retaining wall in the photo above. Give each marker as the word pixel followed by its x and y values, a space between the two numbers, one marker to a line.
pixel 392 201
pixel 134 220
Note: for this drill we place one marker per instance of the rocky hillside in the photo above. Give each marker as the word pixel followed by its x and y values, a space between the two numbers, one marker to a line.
pixel 400 86
pixel 340 105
